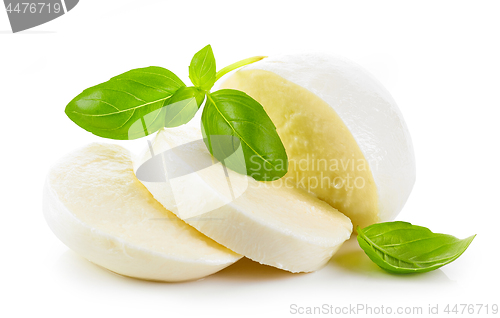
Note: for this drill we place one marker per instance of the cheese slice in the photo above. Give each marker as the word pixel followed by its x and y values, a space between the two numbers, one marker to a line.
pixel 96 206
pixel 270 223
pixel 346 140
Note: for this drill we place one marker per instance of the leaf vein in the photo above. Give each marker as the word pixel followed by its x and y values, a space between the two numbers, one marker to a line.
pixel 238 135
pixel 121 111
pixel 117 90
pixel 136 81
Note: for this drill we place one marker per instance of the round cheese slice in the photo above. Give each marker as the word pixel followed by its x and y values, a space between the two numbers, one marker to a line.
pixel 270 223
pixel 346 140
pixel 96 206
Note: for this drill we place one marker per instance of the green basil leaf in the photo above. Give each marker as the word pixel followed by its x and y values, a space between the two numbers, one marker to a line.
pixel 182 106
pixel 231 119
pixel 202 70
pixel 128 106
pixel 400 247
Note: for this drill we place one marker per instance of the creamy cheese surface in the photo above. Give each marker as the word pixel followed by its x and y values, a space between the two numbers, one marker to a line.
pixel 345 137
pixel 324 158
pixel 278 226
pixel 96 206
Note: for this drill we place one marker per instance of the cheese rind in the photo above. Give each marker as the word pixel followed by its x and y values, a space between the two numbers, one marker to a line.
pixel 96 206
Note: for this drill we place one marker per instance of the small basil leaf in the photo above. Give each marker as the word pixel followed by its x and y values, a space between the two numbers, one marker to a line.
pixel 400 247
pixel 128 106
pixel 182 106
pixel 231 119
pixel 202 70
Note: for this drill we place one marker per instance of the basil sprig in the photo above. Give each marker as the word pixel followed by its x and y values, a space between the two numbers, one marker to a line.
pixel 142 101
pixel 400 247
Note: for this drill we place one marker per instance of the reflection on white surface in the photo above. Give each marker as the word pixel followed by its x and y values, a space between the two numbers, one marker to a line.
pixel 351 258
pixel 248 289
pixel 348 265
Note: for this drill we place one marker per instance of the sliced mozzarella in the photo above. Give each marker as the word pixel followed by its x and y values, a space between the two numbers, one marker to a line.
pixel 96 206
pixel 273 224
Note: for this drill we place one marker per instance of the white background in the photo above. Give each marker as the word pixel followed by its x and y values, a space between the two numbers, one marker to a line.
pixel 440 60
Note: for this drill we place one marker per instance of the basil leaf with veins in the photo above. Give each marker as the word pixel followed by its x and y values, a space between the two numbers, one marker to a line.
pixel 128 106
pixel 233 121
pixel 182 106
pixel 400 247
pixel 237 130
pixel 202 71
